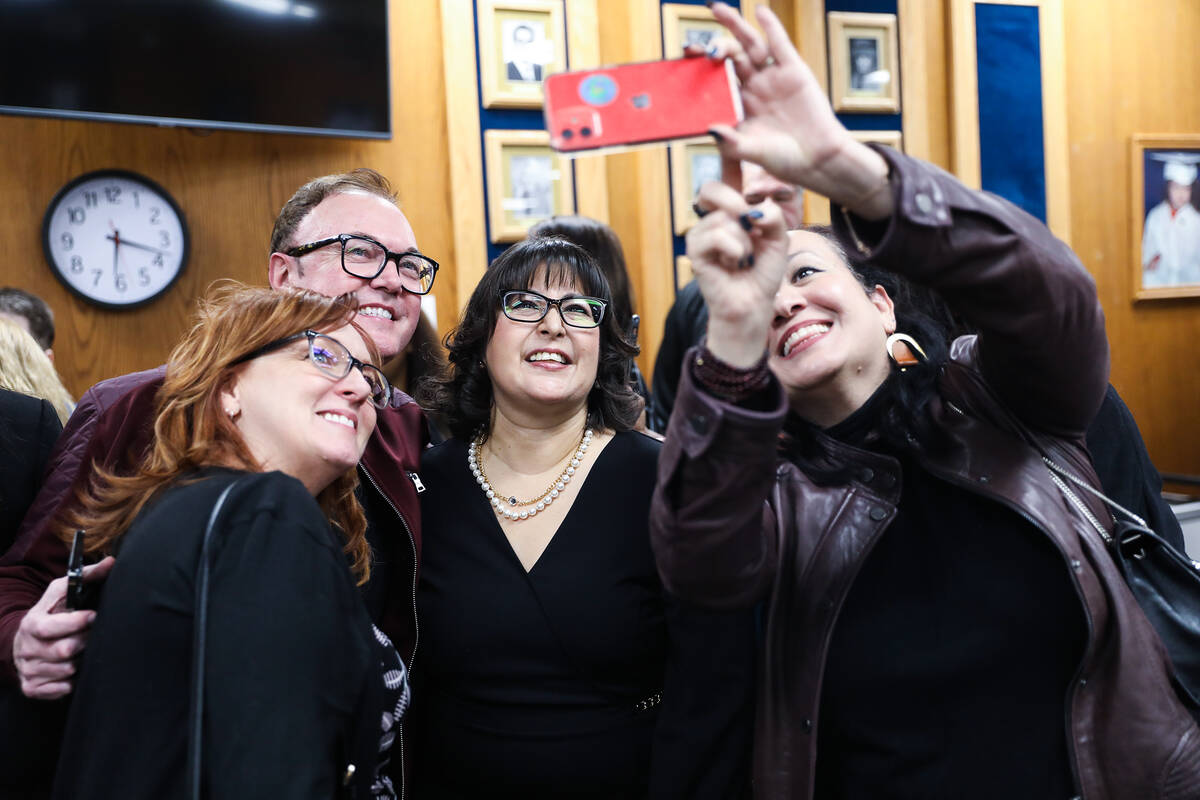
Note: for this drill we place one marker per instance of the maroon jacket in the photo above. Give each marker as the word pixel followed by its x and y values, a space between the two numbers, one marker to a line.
pixel 111 426
pixel 733 525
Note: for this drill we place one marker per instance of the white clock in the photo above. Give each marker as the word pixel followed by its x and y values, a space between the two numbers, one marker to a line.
pixel 115 238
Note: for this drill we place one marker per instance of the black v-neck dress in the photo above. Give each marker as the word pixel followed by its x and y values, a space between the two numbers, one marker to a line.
pixel 531 682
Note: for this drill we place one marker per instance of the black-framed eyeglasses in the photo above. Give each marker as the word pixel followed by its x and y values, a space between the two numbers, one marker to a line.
pixel 363 257
pixel 524 305
pixel 334 359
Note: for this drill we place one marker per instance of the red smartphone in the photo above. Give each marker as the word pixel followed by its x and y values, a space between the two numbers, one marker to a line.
pixel 649 101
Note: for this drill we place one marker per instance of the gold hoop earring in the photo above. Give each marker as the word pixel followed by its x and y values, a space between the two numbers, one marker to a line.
pixel 903 356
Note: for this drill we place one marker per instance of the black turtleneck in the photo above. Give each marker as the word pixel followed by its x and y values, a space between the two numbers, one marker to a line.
pixel 951 658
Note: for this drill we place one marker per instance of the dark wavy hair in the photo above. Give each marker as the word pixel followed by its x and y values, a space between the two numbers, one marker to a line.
pixel 462 394
pixel 604 246
pixel 905 423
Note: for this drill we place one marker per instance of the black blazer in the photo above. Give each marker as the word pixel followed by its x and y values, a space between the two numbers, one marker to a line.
pixel 28 430
pixel 294 688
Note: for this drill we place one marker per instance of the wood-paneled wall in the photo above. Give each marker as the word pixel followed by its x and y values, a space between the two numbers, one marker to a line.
pixel 1133 67
pixel 230 186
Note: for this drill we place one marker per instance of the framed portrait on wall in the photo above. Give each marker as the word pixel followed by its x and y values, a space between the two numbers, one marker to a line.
pixel 893 139
pixel 687 24
pixel 694 162
pixel 527 182
pixel 520 43
pixel 864 62
pixel 1166 216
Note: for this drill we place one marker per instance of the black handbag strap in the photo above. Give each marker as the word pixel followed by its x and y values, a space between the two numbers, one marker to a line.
pixel 196 710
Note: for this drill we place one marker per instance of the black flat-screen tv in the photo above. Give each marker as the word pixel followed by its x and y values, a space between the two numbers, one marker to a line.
pixel 290 66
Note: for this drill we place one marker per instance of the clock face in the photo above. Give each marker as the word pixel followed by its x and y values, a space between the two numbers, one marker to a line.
pixel 115 238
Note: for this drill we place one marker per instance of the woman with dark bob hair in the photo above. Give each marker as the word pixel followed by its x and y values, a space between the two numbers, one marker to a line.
pixel 231 645
pixel 553 661
pixel 940 619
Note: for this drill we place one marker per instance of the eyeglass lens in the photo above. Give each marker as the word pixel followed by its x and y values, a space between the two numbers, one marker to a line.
pixel 578 312
pixel 332 358
pixel 365 258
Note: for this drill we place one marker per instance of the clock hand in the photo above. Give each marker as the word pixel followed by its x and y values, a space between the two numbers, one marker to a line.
pixel 119 240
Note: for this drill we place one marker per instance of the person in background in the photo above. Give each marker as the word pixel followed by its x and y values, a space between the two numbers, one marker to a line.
pixel 336 234
pixel 881 494
pixel 423 358
pixel 266 406
pixel 30 312
pixel 688 317
pixel 29 427
pixel 604 246
pixel 555 665
pixel 25 367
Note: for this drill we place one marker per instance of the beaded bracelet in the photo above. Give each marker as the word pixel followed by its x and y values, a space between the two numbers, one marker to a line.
pixel 726 382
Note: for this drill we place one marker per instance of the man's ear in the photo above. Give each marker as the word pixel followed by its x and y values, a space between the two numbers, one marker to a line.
pixel 282 270
pixel 887 309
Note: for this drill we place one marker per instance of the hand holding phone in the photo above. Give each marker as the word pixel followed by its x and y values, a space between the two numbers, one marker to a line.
pixel 80 595
pixel 637 103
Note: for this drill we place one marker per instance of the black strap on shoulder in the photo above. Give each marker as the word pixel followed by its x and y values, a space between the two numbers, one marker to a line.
pixel 196 711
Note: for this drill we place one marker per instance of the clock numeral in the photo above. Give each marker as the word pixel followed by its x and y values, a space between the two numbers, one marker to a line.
pixel 76 264
pixel 68 241
pixel 90 199
pixel 155 213
pixel 112 194
pixel 143 277
pixel 76 215
pixel 164 240
pixel 158 260
pixel 97 273
pixel 136 202
pixel 121 283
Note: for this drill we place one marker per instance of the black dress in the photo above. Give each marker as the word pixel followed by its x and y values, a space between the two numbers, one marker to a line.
pixel 534 683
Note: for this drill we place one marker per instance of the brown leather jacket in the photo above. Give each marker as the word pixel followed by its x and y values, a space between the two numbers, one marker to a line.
pixel 733 525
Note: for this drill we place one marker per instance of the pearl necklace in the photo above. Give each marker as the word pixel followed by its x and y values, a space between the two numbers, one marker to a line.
pixel 475 462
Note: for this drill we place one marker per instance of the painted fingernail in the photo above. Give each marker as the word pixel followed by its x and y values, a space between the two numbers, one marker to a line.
pixel 717 136
pixel 748 219
pixel 711 51
pixel 700 212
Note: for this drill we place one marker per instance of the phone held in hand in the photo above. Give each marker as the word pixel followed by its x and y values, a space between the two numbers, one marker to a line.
pixel 639 103
pixel 80 595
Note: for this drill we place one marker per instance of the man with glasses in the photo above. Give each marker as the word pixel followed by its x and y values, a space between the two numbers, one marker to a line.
pixel 337 234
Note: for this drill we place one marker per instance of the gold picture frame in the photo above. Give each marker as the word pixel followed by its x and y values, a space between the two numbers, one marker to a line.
pixel 683 272
pixel 1165 240
pixel 693 162
pixel 687 24
pixel 527 182
pixel 520 43
pixel 864 62
pixel 893 139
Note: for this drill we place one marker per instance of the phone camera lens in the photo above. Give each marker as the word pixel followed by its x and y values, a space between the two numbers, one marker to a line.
pixel 567 133
pixel 585 131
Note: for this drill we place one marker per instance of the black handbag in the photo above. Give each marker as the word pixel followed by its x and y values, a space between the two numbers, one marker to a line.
pixel 1165 582
pixel 199 628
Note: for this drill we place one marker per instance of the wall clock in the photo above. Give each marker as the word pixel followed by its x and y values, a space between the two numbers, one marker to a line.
pixel 115 238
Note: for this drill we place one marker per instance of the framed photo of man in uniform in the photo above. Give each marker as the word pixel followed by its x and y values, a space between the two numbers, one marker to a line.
pixel 684 24
pixel 520 43
pixel 1166 216
pixel 864 62
pixel 694 162
pixel 527 182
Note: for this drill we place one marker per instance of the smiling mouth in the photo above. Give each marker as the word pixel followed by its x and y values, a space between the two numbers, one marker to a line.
pixel 801 335
pixel 376 311
pixel 542 355
pixel 339 419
